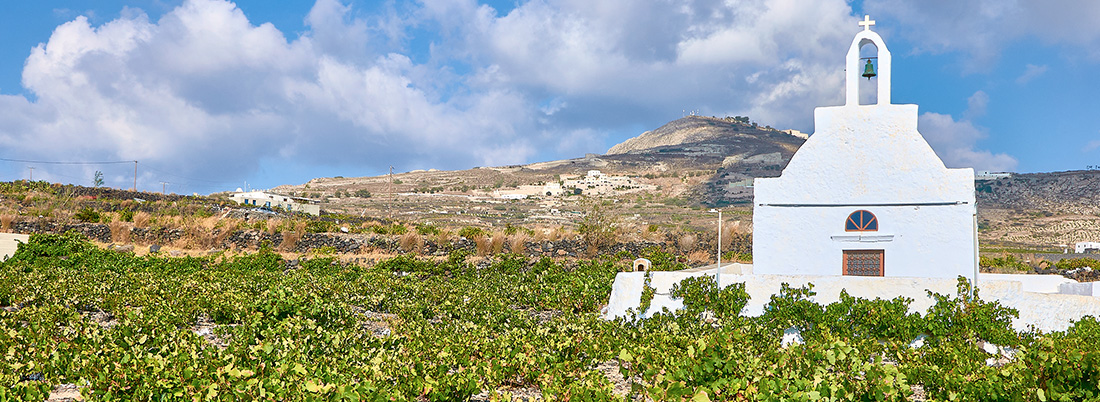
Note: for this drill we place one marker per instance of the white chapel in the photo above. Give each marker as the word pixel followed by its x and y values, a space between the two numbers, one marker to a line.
pixel 866 195
pixel 865 207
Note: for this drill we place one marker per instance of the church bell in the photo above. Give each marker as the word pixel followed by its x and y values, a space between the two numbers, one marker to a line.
pixel 869 70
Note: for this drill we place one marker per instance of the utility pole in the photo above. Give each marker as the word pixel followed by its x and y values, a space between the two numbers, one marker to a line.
pixel 31 174
pixel 135 176
pixel 393 197
pixel 163 186
pixel 718 271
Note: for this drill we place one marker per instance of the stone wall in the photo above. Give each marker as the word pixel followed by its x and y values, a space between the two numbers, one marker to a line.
pixel 348 243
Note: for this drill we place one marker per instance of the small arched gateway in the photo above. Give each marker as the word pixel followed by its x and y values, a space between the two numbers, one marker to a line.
pixel 865 195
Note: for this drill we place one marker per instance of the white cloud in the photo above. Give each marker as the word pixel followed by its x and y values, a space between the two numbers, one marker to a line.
pixel 203 83
pixel 659 56
pixel 204 93
pixel 1031 72
pixel 955 142
pixel 983 28
pixel 976 105
pixel 1091 146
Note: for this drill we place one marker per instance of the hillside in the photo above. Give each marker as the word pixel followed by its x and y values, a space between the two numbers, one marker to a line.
pixel 696 162
pixel 1040 210
pixel 690 129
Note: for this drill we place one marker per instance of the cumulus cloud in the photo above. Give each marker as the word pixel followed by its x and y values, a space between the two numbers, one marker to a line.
pixel 983 28
pixel 775 60
pixel 955 141
pixel 205 93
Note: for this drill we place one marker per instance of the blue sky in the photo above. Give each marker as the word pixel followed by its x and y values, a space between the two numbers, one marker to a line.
pixel 209 95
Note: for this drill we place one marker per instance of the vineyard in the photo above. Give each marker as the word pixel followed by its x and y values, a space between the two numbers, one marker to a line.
pixel 258 327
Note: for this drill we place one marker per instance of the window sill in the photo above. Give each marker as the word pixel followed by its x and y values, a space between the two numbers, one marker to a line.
pixel 863 238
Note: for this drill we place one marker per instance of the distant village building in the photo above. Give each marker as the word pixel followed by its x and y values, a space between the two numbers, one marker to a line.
pixel 1086 247
pixel 530 190
pixel 987 175
pixel 598 183
pixel 552 189
pixel 594 183
pixel 272 200
pixel 866 195
pixel 797 133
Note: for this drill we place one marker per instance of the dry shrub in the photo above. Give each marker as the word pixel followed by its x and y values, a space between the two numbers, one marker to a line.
pixel 517 243
pixel 290 240
pixel 700 256
pixel 412 242
pixel 209 222
pixel 556 234
pixel 443 237
pixel 292 237
pixel 62 215
pixel 141 219
pixel 496 244
pixel 224 228
pixel 730 230
pixel 194 236
pixel 197 232
pixel 273 225
pixel 120 232
pixel 687 242
pixel 6 221
pixel 482 245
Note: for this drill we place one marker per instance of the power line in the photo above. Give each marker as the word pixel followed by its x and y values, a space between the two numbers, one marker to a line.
pixel 65 162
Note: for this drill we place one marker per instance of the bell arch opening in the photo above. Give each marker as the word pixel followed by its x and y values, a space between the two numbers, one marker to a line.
pixel 868 69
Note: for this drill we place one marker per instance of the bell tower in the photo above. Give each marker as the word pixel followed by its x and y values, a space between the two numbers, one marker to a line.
pixel 865 194
pixel 853 68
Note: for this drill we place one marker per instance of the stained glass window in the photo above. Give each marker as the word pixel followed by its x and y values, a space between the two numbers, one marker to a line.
pixel 861 221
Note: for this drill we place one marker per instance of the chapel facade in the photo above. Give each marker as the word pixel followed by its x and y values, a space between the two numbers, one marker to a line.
pixel 866 195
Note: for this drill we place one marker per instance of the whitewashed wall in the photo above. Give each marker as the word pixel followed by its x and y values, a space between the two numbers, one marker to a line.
pixel 1044 311
pixel 918 241
pixel 866 157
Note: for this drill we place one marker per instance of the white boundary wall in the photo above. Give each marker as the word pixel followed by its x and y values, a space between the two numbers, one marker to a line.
pixel 1043 309
pixel 9 242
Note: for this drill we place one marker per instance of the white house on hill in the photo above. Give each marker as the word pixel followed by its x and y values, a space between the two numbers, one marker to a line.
pixel 1086 247
pixel 866 195
pixel 271 200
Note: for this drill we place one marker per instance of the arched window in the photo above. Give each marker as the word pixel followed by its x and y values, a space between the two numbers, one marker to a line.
pixel 861 221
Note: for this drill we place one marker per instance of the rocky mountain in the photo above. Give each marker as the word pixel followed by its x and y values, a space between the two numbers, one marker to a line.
pixel 687 130
pixel 734 150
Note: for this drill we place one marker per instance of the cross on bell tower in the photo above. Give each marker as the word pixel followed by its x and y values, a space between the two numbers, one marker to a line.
pixel 854 66
pixel 867 22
